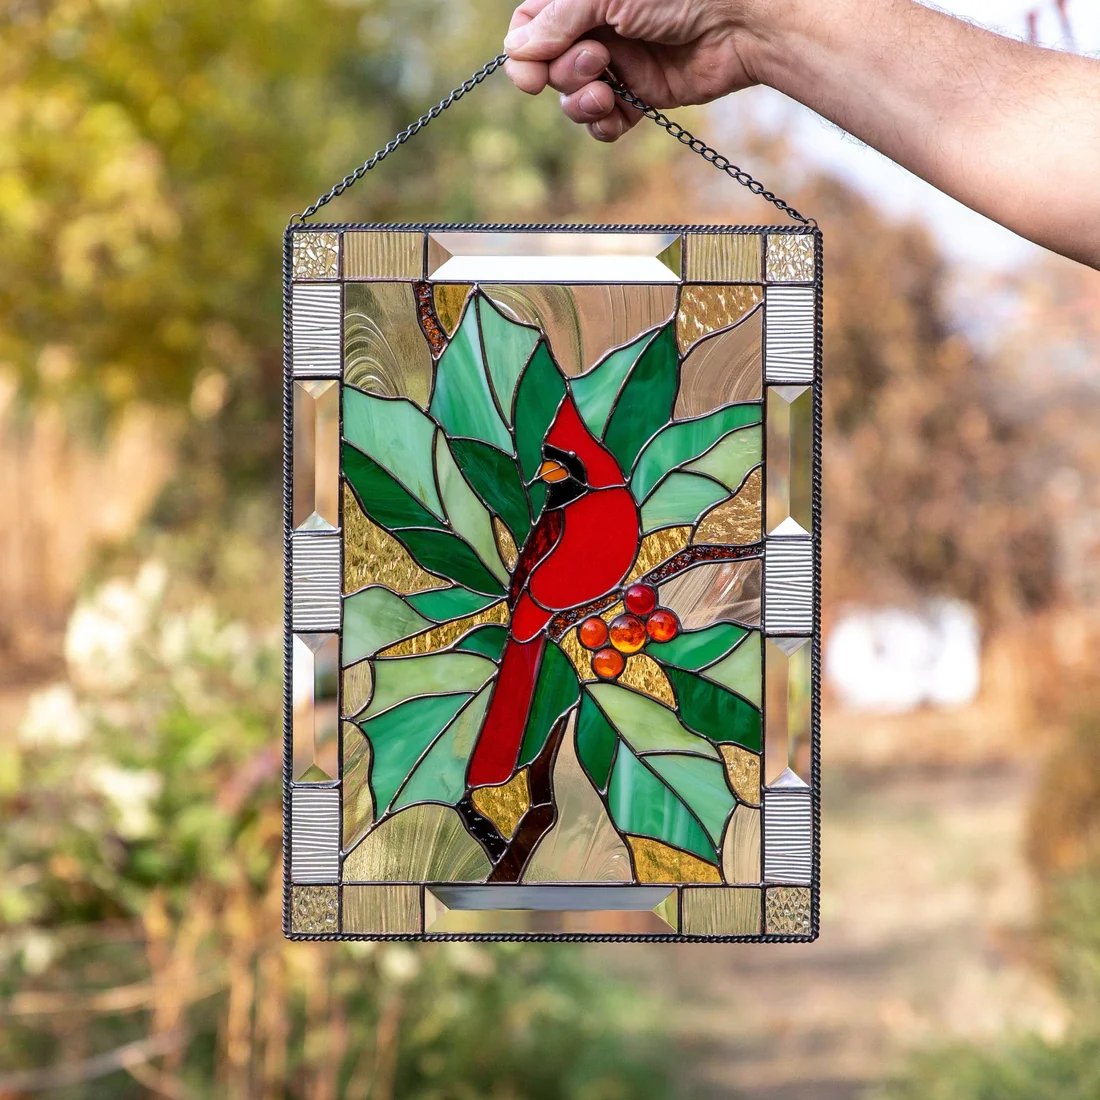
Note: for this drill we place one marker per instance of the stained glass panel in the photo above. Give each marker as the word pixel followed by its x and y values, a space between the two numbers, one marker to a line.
pixel 553 522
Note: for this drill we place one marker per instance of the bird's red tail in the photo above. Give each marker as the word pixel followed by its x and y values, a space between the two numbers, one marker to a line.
pixel 497 749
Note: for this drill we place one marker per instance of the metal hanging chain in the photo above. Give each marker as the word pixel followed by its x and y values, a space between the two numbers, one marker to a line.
pixel 685 137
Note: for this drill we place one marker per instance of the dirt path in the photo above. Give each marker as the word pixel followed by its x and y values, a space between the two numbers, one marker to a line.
pixel 924 938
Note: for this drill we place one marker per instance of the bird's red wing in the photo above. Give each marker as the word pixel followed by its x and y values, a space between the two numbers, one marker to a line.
pixel 543 538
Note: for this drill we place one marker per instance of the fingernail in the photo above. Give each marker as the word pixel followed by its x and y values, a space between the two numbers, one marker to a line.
pixel 514 39
pixel 588 64
pixel 591 103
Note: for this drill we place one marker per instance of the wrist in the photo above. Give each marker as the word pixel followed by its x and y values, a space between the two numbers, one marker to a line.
pixel 768 33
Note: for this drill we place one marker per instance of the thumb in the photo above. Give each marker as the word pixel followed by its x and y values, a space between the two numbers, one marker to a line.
pixel 554 25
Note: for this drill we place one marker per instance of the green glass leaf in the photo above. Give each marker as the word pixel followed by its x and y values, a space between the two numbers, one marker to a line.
pixel 448 556
pixel 556 691
pixel 506 345
pixel 681 499
pixel 695 649
pixel 398 437
pixel 494 477
pixel 595 390
pixel 714 711
pixel 646 399
pixel 644 803
pixel 373 619
pixel 443 604
pixel 488 640
pixel 741 670
pixel 381 496
pixel 647 725
pixel 462 400
pixel 731 460
pixel 399 737
pixel 700 784
pixel 537 399
pixel 397 679
pixel 596 742
pixel 439 775
pixel 465 512
pixel 684 441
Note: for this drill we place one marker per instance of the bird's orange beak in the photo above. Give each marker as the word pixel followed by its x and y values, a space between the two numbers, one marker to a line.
pixel 552 471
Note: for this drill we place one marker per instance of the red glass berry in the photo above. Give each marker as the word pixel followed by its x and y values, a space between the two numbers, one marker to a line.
pixel 593 632
pixel 608 664
pixel 640 599
pixel 663 625
pixel 627 633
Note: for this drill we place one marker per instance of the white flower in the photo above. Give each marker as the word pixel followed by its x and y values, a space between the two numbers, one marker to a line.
pixel 130 792
pixel 53 718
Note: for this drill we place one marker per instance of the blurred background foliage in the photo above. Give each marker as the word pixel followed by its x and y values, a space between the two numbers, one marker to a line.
pixel 150 155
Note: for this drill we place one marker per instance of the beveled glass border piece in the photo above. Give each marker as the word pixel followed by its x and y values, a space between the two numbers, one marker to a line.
pixel 552 257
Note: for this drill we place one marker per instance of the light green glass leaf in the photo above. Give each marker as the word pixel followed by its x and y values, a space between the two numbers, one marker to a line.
pixel 399 737
pixel 741 670
pixel 685 440
pixel 439 775
pixel 695 649
pixel 507 345
pixel 375 618
pixel 643 803
pixel 595 390
pixel 645 724
pixel 399 437
pixel 681 499
pixel 468 517
pixel 399 678
pixel 731 460
pixel 701 785
pixel 462 400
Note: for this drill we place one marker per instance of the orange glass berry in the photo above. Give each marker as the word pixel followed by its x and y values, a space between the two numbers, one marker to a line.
pixel 663 625
pixel 608 664
pixel 593 632
pixel 640 598
pixel 627 633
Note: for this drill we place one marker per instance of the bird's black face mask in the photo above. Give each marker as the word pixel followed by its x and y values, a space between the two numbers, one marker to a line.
pixel 565 474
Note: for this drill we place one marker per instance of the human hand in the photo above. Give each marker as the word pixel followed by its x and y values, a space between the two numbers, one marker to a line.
pixel 668 52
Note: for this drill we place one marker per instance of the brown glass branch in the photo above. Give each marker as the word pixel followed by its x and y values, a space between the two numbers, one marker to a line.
pixel 679 563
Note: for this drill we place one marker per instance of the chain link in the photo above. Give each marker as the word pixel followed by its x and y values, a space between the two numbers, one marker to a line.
pixel 682 135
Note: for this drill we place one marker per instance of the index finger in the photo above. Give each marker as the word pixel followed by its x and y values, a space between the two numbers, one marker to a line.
pixel 551 27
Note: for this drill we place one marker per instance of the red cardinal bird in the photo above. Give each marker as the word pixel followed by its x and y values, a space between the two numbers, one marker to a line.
pixel 583 545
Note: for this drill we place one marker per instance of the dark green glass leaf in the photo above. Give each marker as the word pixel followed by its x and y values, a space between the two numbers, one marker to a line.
pixel 644 803
pixel 462 400
pixel 695 649
pixel 382 497
pixel 488 640
pixel 646 400
pixel 714 712
pixel 443 553
pixel 596 742
pixel 442 604
pixel 537 399
pixel 684 441
pixel 399 737
pixel 595 390
pixel 556 690
pixel 494 477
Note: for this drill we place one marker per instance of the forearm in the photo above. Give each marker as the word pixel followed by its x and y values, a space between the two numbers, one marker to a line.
pixel 982 117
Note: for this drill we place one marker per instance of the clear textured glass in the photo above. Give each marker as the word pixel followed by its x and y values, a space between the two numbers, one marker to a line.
pixel 787 713
pixel 385 352
pixel 383 255
pixel 710 911
pixel 315 678
pixel 316 455
pixel 789 507
pixel 381 910
pixel 723 257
